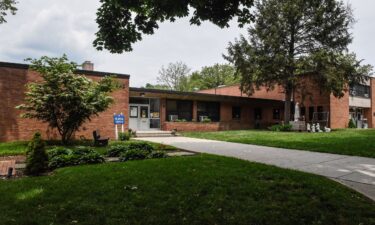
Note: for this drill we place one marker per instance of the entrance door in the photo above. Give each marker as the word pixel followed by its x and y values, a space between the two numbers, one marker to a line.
pixel 144 121
pixel 139 117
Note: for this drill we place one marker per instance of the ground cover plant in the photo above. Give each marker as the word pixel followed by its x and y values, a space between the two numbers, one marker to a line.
pixel 346 141
pixel 201 189
pixel 20 147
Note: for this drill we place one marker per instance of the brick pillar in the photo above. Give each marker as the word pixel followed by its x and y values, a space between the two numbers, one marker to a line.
pixel 163 113
pixel 371 114
pixel 195 108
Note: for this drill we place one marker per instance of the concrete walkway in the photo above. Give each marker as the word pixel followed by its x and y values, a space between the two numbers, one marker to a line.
pixel 355 172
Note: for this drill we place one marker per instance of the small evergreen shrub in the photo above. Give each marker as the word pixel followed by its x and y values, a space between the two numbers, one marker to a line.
pixel 141 145
pixel 351 124
pixel 134 154
pixel 157 154
pixel 124 136
pixel 61 157
pixel 37 158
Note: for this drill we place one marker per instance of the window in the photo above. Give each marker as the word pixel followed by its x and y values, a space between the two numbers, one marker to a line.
pixel 311 113
pixel 257 113
pixel 182 109
pixel 133 111
pixel 276 114
pixel 320 114
pixel 209 109
pixel 303 111
pixel 359 90
pixel 236 112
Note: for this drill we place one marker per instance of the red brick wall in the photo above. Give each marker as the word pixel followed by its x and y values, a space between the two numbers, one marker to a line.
pixel 226 122
pixel 370 113
pixel 339 111
pixel 234 90
pixel 13 127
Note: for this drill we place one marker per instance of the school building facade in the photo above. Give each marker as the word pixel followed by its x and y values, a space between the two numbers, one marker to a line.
pixel 222 108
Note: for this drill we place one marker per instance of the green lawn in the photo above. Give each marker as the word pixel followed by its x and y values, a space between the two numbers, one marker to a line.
pixel 347 142
pixel 200 189
pixel 20 147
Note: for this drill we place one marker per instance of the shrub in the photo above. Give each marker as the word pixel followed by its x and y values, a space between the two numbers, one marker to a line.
pixel 157 154
pixel 37 158
pixel 61 157
pixel 134 154
pixel 206 120
pixel 284 127
pixel 124 136
pixel 116 150
pixel 351 124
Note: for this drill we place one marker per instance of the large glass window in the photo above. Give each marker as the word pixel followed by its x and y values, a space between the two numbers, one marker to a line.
pixel 208 109
pixel 359 90
pixel 258 114
pixel 236 112
pixel 179 109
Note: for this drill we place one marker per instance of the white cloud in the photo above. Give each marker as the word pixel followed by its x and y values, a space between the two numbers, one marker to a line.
pixel 54 27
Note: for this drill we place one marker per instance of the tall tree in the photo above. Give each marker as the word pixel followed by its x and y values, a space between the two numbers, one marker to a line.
pixel 175 76
pixel 64 99
pixel 7 6
pixel 293 37
pixel 214 76
pixel 122 23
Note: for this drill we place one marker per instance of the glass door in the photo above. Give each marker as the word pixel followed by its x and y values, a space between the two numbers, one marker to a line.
pixel 154 113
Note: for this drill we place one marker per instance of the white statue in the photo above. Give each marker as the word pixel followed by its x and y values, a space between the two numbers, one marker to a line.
pixel 313 128
pixel 308 127
pixel 296 112
pixel 318 127
pixel 327 129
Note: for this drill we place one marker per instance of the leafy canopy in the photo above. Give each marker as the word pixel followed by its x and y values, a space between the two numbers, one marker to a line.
pixel 175 76
pixel 290 38
pixel 214 76
pixel 7 6
pixel 122 23
pixel 64 99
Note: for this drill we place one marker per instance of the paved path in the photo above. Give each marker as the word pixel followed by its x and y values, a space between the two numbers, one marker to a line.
pixel 355 172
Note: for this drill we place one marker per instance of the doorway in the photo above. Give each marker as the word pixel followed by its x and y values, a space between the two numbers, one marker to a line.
pixel 144 114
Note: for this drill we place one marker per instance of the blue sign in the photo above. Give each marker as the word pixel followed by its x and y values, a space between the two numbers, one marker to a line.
pixel 119 119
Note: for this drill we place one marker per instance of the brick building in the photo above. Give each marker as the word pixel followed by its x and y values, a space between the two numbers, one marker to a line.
pixel 146 109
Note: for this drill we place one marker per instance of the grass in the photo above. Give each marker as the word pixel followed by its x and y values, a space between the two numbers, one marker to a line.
pixel 200 189
pixel 20 147
pixel 346 142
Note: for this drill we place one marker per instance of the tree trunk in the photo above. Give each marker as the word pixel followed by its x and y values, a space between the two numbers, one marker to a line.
pixel 287 106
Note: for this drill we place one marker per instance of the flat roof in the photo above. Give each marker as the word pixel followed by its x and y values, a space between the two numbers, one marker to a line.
pixel 195 95
pixel 85 72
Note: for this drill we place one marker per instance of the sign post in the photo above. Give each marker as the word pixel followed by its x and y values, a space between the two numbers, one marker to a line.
pixel 118 119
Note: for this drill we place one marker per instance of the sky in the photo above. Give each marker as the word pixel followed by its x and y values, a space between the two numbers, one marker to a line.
pixel 55 27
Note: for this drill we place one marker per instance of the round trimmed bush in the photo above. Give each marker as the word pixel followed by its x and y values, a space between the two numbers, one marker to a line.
pixel 134 154
pixel 157 154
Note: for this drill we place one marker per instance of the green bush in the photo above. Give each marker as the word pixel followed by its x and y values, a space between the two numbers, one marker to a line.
pixel 283 127
pixel 157 154
pixel 116 150
pixel 351 124
pixel 37 158
pixel 206 120
pixel 134 154
pixel 124 136
pixel 61 157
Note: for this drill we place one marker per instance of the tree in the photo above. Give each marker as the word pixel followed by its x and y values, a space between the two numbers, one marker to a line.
pixel 5 6
pixel 64 99
pixel 37 158
pixel 175 76
pixel 290 38
pixel 122 23
pixel 214 76
pixel 156 86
